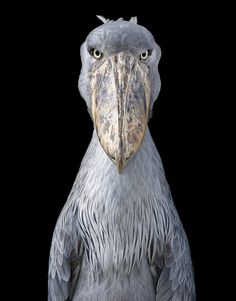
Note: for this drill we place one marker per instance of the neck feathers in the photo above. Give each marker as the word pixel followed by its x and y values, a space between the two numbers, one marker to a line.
pixel 121 215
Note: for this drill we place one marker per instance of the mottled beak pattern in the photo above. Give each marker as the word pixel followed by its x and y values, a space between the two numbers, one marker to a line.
pixel 120 95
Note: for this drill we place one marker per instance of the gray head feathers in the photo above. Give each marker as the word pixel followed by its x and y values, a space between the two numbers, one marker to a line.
pixel 104 20
pixel 119 236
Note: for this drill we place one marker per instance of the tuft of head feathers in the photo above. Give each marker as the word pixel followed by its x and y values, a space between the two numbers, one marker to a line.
pixel 104 20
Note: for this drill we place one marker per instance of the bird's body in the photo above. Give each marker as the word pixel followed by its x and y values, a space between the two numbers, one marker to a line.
pixel 119 237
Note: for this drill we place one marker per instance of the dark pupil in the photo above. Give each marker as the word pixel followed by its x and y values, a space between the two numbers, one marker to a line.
pixel 144 54
pixel 97 53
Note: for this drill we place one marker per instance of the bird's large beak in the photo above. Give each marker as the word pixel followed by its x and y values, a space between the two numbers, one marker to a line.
pixel 120 95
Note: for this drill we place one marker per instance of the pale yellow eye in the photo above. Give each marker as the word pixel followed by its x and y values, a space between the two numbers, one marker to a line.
pixel 97 54
pixel 144 55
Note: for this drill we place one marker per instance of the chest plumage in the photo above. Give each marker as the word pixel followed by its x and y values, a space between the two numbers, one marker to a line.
pixel 119 237
pixel 121 217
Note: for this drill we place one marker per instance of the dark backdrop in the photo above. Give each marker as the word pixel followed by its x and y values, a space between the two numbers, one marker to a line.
pixel 54 129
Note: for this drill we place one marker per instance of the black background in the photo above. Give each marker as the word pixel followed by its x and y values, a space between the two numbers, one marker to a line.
pixel 52 128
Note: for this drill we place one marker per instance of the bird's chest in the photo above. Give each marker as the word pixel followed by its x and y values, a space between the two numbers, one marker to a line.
pixel 116 235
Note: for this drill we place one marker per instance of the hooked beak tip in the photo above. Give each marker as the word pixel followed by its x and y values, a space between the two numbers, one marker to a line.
pixel 120 168
pixel 120 163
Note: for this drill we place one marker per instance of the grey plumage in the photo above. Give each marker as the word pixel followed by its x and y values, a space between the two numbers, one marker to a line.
pixel 119 237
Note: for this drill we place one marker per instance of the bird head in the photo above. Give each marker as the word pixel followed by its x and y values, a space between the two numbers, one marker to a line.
pixel 119 81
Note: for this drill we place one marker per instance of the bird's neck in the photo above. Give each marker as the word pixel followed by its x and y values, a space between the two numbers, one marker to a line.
pixel 111 206
pixel 141 172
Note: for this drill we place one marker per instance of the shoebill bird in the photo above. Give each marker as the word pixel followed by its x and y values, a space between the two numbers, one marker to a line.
pixel 119 237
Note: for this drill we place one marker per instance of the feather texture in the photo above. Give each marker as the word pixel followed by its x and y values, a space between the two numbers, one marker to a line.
pixel 65 254
pixel 104 20
pixel 119 237
pixel 130 231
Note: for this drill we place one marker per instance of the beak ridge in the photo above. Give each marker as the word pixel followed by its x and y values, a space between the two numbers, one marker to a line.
pixel 120 97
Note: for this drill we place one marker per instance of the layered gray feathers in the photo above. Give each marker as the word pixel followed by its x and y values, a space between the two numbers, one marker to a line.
pixel 119 237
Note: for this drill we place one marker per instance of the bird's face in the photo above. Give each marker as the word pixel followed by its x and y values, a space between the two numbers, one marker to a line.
pixel 119 81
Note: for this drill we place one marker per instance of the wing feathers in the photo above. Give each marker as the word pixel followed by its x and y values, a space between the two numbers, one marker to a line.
pixel 65 256
pixel 176 281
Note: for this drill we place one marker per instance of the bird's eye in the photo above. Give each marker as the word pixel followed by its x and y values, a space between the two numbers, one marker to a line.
pixel 144 55
pixel 97 54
